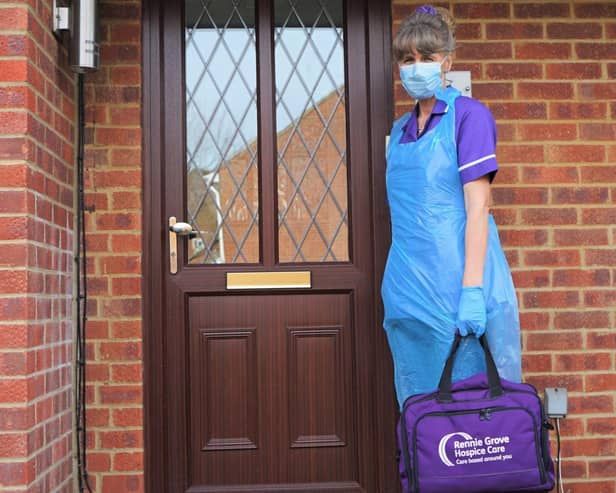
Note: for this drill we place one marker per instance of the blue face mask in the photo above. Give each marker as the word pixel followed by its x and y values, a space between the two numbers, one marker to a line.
pixel 421 79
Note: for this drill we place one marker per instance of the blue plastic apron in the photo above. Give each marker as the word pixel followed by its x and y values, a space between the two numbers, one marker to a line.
pixel 423 276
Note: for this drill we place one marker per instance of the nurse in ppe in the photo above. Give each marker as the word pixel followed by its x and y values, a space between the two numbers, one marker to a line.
pixel 446 270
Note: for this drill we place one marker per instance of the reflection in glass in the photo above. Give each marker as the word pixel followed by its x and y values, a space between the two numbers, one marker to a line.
pixel 311 127
pixel 221 131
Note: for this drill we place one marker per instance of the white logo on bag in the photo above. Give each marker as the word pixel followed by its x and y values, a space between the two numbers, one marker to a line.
pixel 443 443
pixel 471 450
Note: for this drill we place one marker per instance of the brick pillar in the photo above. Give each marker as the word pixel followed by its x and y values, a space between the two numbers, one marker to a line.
pixel 37 112
pixel 114 190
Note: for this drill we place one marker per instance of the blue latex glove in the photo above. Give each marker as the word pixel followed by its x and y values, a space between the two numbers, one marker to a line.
pixel 471 312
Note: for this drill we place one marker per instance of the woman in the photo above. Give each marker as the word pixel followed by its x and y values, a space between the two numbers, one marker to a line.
pixel 446 269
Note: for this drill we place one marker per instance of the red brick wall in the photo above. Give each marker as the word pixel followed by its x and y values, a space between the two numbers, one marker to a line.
pixel 113 184
pixel 546 71
pixel 37 110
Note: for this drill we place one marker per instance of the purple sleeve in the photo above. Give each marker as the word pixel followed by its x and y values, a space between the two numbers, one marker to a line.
pixel 476 140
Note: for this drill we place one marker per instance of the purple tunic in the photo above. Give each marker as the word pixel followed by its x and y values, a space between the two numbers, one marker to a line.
pixel 475 136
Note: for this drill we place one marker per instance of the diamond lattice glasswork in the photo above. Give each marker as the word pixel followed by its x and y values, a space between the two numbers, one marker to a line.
pixel 311 126
pixel 221 131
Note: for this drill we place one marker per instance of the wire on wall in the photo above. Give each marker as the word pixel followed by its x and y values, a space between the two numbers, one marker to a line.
pixel 82 302
pixel 559 477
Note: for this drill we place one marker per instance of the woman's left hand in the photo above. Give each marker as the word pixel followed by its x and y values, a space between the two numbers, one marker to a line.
pixel 471 312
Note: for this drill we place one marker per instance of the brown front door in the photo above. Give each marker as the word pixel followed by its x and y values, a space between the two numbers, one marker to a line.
pixel 266 364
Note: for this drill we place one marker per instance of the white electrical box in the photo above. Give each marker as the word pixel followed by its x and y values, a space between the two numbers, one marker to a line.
pixel 556 402
pixel 461 80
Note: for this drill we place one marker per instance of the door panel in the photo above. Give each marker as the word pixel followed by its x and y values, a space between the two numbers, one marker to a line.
pixel 272 164
pixel 225 366
pixel 271 382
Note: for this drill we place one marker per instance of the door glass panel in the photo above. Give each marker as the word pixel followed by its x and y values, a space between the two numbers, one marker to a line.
pixel 311 131
pixel 221 131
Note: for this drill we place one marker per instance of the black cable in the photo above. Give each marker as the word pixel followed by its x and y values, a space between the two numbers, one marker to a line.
pixel 82 298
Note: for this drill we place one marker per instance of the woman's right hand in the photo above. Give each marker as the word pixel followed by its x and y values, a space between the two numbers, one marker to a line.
pixel 471 312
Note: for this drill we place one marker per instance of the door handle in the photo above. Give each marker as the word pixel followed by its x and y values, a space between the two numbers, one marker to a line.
pixel 177 229
pixel 182 229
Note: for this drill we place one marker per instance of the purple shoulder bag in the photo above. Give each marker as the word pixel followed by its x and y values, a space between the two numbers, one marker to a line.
pixel 480 435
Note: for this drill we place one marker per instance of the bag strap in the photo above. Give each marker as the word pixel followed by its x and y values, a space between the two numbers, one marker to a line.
pixel 494 383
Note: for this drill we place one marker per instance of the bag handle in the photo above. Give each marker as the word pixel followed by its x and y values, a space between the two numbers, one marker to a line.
pixel 444 386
